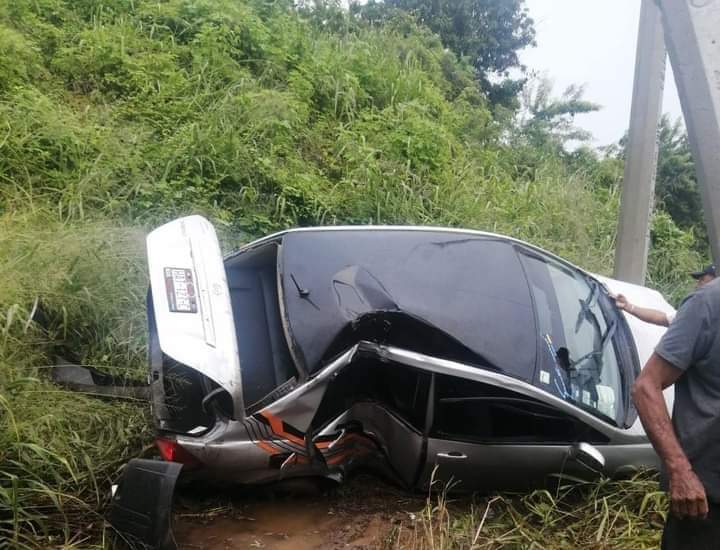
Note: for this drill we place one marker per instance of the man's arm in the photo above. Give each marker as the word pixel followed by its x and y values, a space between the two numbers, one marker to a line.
pixel 646 314
pixel 687 494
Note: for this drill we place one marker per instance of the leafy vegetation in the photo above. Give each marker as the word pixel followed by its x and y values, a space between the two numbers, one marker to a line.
pixel 488 33
pixel 117 115
pixel 548 122
pixel 676 187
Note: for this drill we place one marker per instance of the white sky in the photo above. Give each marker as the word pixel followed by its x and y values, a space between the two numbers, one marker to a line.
pixel 592 42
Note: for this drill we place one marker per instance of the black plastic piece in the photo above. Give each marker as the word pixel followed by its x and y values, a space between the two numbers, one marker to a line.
pixel 141 510
pixel 91 380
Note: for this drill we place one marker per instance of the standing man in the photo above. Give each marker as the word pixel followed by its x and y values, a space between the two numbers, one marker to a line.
pixel 687 356
pixel 657 317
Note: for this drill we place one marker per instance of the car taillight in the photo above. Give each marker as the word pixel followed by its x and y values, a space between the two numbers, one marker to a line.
pixel 172 451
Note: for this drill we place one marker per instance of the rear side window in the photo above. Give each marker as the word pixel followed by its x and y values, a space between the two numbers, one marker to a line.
pixel 477 412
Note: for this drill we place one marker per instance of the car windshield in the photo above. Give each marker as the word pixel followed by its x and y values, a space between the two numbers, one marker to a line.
pixel 576 336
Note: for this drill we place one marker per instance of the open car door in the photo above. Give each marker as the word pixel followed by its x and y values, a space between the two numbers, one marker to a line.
pixel 191 302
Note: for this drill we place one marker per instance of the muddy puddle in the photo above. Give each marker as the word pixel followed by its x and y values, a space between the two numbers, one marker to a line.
pixel 365 513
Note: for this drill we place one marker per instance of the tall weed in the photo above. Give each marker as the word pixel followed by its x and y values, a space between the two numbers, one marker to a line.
pixel 72 290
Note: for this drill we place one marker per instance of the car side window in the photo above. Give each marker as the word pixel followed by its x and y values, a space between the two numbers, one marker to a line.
pixel 475 412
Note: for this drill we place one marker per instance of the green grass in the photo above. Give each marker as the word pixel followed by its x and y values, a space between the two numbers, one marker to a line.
pixel 626 514
pixel 60 450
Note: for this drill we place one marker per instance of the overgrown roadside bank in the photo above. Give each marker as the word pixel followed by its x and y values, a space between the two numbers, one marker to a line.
pixel 117 116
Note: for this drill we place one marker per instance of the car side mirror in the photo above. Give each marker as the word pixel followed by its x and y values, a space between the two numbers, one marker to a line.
pixel 589 456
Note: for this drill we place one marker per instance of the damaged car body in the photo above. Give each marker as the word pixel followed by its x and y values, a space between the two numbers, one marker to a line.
pixel 423 353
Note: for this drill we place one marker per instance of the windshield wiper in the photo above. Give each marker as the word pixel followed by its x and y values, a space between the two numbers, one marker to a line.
pixel 585 311
pixel 600 349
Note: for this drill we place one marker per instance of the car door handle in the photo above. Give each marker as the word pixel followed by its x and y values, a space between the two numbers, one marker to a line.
pixel 452 454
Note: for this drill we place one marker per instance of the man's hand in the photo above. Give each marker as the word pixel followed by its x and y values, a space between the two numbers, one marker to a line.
pixel 649 315
pixel 621 301
pixel 687 495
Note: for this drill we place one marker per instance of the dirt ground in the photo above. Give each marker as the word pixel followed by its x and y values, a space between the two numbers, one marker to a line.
pixel 365 513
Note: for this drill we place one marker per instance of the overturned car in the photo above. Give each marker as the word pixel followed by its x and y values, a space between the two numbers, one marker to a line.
pixel 418 352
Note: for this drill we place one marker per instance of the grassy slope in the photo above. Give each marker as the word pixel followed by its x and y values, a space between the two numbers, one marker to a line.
pixel 116 115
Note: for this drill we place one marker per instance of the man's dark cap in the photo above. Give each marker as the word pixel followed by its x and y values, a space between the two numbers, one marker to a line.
pixel 709 270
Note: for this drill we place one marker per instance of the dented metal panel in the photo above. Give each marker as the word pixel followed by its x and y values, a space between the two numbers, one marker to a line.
pixel 300 406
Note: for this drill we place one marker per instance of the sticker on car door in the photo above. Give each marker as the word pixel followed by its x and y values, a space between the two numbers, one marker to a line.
pixel 180 289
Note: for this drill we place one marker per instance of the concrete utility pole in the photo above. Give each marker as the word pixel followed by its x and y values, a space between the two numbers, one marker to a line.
pixel 641 159
pixel 692 30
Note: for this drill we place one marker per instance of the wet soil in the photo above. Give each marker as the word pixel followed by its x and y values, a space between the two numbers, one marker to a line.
pixel 365 513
